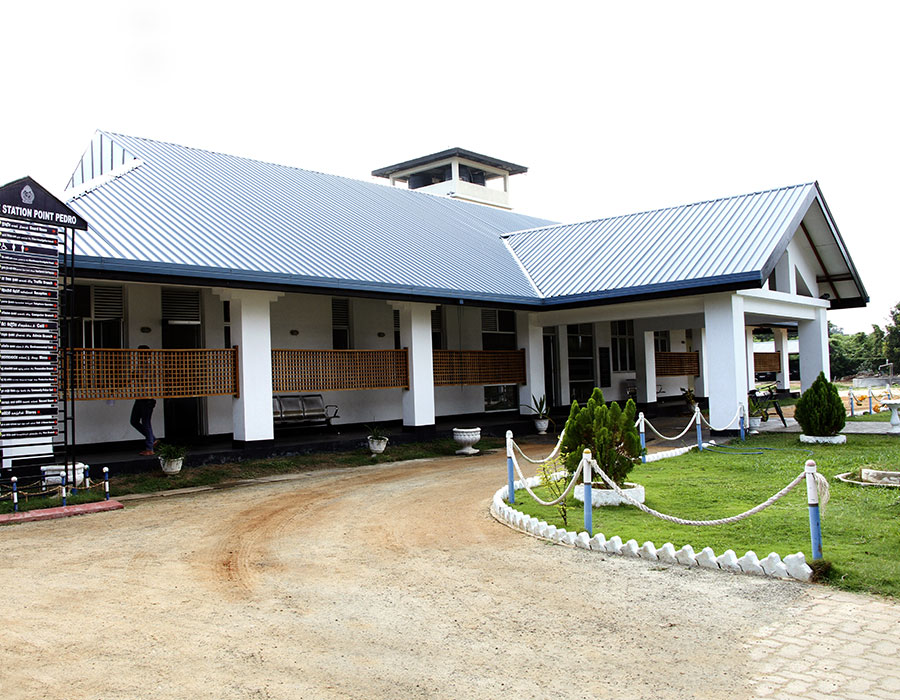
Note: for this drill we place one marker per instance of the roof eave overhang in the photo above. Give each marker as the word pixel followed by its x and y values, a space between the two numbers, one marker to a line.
pixel 166 273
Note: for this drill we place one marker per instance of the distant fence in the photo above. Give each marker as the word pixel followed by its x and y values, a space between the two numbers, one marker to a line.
pixel 677 364
pixel 336 370
pixel 464 367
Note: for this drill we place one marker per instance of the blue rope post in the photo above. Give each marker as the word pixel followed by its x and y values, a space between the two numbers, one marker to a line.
pixel 852 401
pixel 74 488
pixel 588 499
pixel 812 498
pixel 106 481
pixel 87 476
pixel 15 494
pixel 699 428
pixel 509 467
pixel 643 437
pixel 870 401
pixel 62 486
pixel 743 433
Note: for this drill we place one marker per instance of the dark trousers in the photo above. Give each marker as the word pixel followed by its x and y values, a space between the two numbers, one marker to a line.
pixel 140 419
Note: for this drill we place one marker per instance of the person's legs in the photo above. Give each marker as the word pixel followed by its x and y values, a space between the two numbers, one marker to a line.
pixel 141 415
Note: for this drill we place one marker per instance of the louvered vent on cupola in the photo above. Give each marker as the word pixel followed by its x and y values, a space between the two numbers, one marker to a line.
pixel 181 305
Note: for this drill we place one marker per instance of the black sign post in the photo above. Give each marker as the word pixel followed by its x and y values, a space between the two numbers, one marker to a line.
pixel 37 233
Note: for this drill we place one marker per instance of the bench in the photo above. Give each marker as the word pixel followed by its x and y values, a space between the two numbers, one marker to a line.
pixel 302 408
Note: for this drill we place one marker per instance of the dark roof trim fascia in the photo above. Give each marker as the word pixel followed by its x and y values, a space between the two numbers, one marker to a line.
pixel 511 168
pixel 161 273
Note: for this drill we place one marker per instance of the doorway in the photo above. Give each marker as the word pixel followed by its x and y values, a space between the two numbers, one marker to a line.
pixel 183 416
pixel 551 365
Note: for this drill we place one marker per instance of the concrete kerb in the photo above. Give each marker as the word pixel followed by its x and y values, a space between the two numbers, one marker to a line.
pixel 793 566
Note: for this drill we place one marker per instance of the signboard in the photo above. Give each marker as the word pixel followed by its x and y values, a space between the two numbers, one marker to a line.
pixel 33 227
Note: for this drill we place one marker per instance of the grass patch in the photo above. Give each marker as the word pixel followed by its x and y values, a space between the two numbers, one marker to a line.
pixel 216 474
pixel 860 529
pixel 870 418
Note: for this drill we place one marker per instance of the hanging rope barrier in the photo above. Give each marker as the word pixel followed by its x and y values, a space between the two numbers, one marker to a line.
pixel 553 454
pixel 821 483
pixel 565 494
pixel 737 416
pixel 665 437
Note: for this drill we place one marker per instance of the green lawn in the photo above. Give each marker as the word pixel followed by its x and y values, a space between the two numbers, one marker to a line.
pixel 871 418
pixel 860 528
pixel 215 474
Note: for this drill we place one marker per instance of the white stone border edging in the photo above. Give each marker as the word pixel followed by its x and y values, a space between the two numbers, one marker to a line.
pixel 793 566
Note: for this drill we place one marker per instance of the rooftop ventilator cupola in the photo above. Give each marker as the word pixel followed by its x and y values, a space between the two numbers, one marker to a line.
pixel 456 173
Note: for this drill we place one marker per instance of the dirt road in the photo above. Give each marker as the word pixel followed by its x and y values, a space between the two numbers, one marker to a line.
pixel 382 582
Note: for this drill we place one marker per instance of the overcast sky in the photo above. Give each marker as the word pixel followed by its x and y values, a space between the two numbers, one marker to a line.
pixel 614 108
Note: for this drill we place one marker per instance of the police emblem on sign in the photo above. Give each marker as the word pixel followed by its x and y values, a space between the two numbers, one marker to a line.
pixel 27 195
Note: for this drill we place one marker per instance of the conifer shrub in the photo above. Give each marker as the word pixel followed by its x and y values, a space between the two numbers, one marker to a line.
pixel 607 431
pixel 820 410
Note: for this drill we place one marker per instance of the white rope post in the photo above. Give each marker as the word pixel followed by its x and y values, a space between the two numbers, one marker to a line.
pixel 743 434
pixel 870 401
pixel 87 476
pixel 62 485
pixel 509 467
pixel 699 428
pixel 850 393
pixel 812 498
pixel 15 494
pixel 106 481
pixel 588 498
pixel 642 428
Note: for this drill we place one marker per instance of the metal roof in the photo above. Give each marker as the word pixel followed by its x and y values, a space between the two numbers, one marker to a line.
pixel 187 212
pixel 724 243
pixel 511 168
pixel 161 210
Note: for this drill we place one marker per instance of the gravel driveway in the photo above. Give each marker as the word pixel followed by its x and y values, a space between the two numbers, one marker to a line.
pixel 390 581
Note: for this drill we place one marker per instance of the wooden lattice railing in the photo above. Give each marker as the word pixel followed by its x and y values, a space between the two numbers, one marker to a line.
pixel 335 370
pixel 767 361
pixel 677 364
pixel 455 367
pixel 104 373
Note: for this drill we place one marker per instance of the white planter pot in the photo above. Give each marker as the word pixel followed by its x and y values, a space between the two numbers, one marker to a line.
pixel 377 445
pixel 823 439
pixel 755 421
pixel 608 497
pixel 540 424
pixel 467 437
pixel 171 466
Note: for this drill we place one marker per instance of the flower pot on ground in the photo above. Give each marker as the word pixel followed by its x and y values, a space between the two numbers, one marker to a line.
pixel 541 414
pixel 467 437
pixel 171 457
pixel 377 438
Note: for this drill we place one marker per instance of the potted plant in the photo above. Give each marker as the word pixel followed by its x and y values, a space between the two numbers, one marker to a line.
pixel 171 457
pixel 541 414
pixel 377 438
pixel 821 413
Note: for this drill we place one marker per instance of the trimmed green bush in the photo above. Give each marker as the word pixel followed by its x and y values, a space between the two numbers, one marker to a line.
pixel 820 410
pixel 607 431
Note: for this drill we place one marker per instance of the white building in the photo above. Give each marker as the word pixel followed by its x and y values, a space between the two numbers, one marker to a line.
pixel 407 304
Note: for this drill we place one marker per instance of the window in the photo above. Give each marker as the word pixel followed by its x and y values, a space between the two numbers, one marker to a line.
pixel 623 346
pixel 661 341
pixel 98 313
pixel 498 332
pixel 580 342
pixel 397 345
pixel 226 317
pixel 498 329
pixel 437 328
pixel 340 324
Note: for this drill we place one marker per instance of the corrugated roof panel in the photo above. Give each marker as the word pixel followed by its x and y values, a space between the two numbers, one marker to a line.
pixel 186 207
pixel 674 247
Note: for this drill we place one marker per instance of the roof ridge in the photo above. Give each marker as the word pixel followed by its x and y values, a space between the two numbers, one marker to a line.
pixel 660 209
pixel 112 135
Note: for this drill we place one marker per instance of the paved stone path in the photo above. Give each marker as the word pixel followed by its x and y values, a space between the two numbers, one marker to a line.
pixel 839 645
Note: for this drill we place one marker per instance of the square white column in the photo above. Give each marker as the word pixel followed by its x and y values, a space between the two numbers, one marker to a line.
pixel 415 336
pixel 645 361
pixel 814 358
pixel 251 332
pixel 726 344
pixel 751 363
pixel 783 377
pixel 698 344
pixel 530 336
